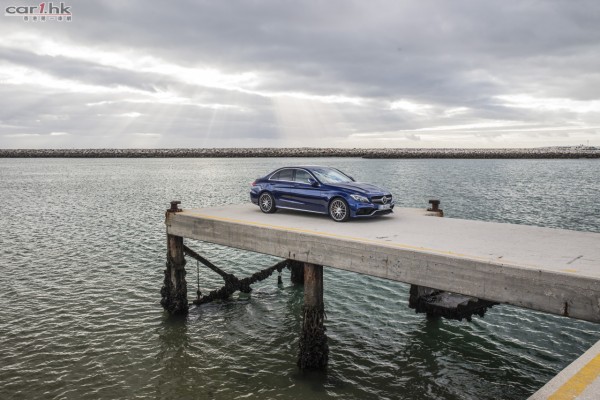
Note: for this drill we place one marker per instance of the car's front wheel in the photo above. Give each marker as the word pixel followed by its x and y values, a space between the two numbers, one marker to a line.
pixel 339 210
pixel 266 202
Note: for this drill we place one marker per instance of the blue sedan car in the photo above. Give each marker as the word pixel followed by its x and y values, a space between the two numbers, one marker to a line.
pixel 322 190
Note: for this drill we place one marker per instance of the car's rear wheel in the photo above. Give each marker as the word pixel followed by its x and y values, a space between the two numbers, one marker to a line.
pixel 266 202
pixel 339 210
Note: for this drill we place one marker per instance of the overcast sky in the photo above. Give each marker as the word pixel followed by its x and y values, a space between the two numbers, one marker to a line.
pixel 149 74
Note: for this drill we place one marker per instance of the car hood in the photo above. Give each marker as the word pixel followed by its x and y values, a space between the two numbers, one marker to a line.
pixel 363 188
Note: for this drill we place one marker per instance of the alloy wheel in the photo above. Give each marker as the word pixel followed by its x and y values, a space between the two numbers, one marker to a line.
pixel 266 203
pixel 338 209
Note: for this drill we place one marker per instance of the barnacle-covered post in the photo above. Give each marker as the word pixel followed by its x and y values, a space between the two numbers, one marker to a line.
pixel 174 290
pixel 314 351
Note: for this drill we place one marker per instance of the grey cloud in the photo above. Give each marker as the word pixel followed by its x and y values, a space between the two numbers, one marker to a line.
pixel 443 54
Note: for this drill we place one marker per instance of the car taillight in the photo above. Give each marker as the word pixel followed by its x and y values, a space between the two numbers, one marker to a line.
pixel 253 183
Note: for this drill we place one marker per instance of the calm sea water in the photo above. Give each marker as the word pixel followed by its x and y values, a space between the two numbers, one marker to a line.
pixel 82 255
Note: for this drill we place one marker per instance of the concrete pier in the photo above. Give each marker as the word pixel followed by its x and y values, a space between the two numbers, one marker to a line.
pixel 551 270
pixel 580 380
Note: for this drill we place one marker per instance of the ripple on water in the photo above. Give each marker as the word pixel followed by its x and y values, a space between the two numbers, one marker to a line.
pixel 82 269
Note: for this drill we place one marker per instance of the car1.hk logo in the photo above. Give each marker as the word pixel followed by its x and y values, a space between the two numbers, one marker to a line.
pixel 41 13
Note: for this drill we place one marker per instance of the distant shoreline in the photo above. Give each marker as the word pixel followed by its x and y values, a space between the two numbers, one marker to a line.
pixel 517 153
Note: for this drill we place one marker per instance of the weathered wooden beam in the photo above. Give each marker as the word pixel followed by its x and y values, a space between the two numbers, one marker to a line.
pixel 314 351
pixel 232 283
pixel 437 303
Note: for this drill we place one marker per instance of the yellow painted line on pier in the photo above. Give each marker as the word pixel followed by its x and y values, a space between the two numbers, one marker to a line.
pixel 578 382
pixel 371 241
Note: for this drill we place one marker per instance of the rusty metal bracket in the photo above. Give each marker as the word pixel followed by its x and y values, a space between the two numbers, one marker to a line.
pixel 435 205
pixel 175 206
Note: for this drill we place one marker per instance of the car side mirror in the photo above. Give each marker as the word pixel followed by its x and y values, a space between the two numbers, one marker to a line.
pixel 312 182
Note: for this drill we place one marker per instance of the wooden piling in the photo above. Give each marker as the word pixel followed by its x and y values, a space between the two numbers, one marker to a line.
pixel 174 290
pixel 314 351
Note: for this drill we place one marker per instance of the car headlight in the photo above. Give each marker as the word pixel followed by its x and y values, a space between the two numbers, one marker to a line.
pixel 359 198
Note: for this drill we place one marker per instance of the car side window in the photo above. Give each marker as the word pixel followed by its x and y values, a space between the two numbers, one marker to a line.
pixel 302 176
pixel 283 175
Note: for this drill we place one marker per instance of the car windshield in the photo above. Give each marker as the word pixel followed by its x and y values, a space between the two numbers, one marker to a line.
pixel 330 175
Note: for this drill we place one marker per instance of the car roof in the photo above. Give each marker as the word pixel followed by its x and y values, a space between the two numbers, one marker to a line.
pixel 305 166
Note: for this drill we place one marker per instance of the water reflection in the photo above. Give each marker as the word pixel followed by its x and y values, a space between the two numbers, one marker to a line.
pixel 173 357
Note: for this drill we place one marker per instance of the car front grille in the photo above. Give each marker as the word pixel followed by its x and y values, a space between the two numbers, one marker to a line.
pixel 380 199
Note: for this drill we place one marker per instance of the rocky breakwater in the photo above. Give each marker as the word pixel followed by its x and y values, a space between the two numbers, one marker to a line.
pixel 539 152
